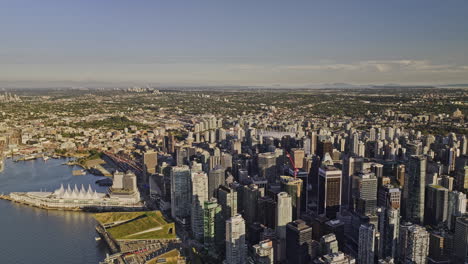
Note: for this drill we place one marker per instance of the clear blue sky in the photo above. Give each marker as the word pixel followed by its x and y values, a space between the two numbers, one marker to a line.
pixel 218 42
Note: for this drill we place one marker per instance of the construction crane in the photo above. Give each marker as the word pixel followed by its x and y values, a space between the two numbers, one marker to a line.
pixel 296 170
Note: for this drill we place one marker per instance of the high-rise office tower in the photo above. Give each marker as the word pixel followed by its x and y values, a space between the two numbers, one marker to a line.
pixel 170 143
pixel 366 247
pixel 324 146
pixel 308 162
pixel 267 166
pixel 456 208
pixel 199 196
pixel 221 134
pixel 250 195
pixel 382 133
pixel 263 252
pixel 181 185
pixel 313 142
pixel 413 244
pixel 329 190
pixel 298 242
pixel 293 186
pixel 298 157
pixel 449 161
pixel 461 173
pixel 336 258
pixel 266 211
pixel 329 244
pixel 389 196
pixel 354 144
pixel 165 171
pixel 460 248
pixel 227 198
pixel 463 145
pixel 243 176
pixel 365 192
pixel 181 155
pixel 236 249
pixel 254 232
pixel 216 178
pixel 436 205
pixel 206 136
pixel 400 175
pixel 377 169
pixel 283 217
pixel 306 145
pixel 361 149
pixel 390 133
pixel 430 139
pixel 314 178
pixel 342 145
pixel 414 189
pixel 196 166
pixel 212 221
pixel 447 182
pixel 226 160
pixel 389 229
pixel 236 146
pixel 212 136
pixel 440 247
pixel 336 227
pixel 150 160
pixel 372 134
pixel 414 148
pixel 351 165
pixel 213 162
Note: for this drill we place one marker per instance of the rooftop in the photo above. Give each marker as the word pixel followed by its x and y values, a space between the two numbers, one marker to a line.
pixel 136 225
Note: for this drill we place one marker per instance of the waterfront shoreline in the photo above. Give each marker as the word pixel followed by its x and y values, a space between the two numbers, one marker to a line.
pixel 74 209
pixel 46 232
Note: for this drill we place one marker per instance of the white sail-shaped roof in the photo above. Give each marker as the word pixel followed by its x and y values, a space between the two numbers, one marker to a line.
pixel 66 195
pixel 59 192
pixel 89 193
pixel 82 193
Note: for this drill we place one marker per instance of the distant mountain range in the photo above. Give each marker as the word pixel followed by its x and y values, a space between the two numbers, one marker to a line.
pixel 95 84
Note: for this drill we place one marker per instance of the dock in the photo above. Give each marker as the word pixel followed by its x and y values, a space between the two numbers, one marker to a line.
pixel 5 197
pixel 102 170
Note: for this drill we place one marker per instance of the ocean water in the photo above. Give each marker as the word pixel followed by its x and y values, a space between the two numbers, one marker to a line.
pixel 32 235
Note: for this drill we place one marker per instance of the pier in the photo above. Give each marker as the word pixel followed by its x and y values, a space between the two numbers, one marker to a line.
pixel 5 197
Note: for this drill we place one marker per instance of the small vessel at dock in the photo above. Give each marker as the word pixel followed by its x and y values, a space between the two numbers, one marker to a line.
pixel 78 172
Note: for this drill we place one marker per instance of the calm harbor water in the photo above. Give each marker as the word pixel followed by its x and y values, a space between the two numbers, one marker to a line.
pixel 32 235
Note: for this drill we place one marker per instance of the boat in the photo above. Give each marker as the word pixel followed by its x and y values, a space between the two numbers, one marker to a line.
pixel 29 157
pixel 78 172
pixel 45 158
